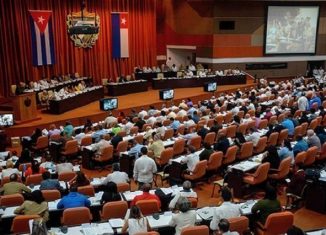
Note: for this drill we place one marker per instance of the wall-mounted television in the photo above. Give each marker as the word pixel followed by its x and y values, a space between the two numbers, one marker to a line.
pixel 6 119
pixel 167 94
pixel 108 104
pixel 210 86
pixel 291 30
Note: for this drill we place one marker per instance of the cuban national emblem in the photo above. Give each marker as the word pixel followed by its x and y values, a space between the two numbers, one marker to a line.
pixel 83 28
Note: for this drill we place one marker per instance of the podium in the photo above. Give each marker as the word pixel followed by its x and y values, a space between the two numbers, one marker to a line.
pixel 25 108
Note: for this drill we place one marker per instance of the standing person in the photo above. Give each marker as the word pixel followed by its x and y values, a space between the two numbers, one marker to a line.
pixel 144 168
pixel 35 205
pixel 136 223
pixel 184 218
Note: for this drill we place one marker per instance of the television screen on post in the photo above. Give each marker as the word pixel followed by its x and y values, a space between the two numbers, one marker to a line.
pixel 167 94
pixel 210 86
pixel 6 119
pixel 291 30
pixel 108 104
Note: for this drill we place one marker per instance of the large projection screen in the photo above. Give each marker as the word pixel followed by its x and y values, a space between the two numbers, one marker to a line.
pixel 291 30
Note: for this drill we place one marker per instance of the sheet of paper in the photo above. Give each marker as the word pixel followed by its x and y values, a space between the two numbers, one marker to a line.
pixel 116 223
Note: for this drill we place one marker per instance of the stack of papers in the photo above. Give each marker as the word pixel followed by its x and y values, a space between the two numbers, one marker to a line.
pixel 206 213
pixel 116 223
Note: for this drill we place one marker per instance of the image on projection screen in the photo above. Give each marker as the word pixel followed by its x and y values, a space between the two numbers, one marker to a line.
pixel 291 29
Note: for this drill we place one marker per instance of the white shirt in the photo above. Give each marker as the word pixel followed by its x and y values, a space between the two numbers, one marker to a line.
pixel 151 120
pixel 182 113
pixel 127 127
pixel 183 220
pixel 174 201
pixel 64 167
pixel 137 226
pixel 99 146
pixel 144 169
pixel 254 137
pixel 303 103
pixel 109 120
pixel 191 160
pixel 224 211
pixel 142 114
pixel 117 177
pixel 189 123
pixel 9 171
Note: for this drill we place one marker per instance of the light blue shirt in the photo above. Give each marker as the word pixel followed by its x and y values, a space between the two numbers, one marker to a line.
pixel 135 150
pixel 288 124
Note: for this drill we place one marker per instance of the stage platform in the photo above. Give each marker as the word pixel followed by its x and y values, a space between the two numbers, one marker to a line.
pixel 136 101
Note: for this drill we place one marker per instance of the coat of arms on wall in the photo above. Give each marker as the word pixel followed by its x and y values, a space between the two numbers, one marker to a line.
pixel 83 28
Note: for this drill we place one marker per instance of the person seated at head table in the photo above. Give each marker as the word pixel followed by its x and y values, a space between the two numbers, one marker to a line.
pixel 73 199
pixel 14 186
pixel 34 205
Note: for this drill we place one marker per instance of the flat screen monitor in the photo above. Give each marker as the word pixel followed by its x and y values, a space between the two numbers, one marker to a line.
pixel 108 104
pixel 210 86
pixel 291 30
pixel 6 119
pixel 167 94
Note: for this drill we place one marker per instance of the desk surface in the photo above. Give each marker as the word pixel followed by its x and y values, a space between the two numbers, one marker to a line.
pixel 117 89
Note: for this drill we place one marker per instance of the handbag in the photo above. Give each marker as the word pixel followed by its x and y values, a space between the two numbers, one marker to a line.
pixel 39 228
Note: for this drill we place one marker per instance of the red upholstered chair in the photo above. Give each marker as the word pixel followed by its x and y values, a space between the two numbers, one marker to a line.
pixel 76 216
pixel 113 210
pixel 276 223
pixel 20 224
pixel 195 230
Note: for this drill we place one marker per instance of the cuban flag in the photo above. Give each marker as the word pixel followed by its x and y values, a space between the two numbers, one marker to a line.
pixel 42 37
pixel 120 38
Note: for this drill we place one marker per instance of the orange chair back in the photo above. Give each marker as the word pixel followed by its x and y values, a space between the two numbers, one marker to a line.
pixel 168 134
pixel 193 201
pixel 198 172
pixel 55 137
pixel 242 128
pixel 297 114
pixel 87 190
pixel 165 156
pixel 71 147
pixel 313 124
pixel 283 169
pixel 139 139
pixel 311 156
pixel 246 150
pixel 239 224
pixel 263 124
pixel 145 126
pixel 278 223
pixel 322 155
pixel 166 122
pixel 123 187
pixel 134 130
pixel 51 195
pixel 272 139
pixel 179 147
pixel 181 129
pixel 297 132
pixel 122 133
pixel 195 230
pixel 76 216
pixel 215 161
pixel 106 154
pixel 251 124
pixel 148 207
pixel 261 145
pixel 272 119
pixel 34 179
pixel 231 130
pixel 85 141
pixel 262 172
pixel 113 210
pixel 210 122
pixel 6 179
pixel 195 142
pixel 300 158
pixel 219 119
pixel 228 117
pixel 66 176
pixel 282 136
pixel 11 200
pixel 42 142
pixel 230 155
pixel 210 138
pixel 122 147
pixel 20 224
pixel 21 166
pixel 304 128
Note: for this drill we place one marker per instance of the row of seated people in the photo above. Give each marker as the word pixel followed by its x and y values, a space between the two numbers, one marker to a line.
pixel 45 83
pixel 36 203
